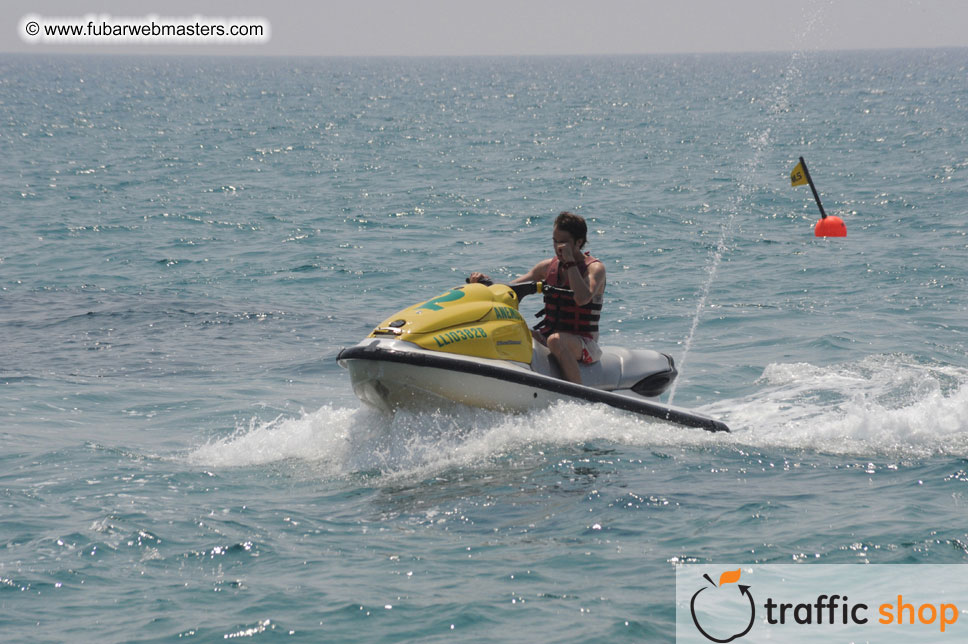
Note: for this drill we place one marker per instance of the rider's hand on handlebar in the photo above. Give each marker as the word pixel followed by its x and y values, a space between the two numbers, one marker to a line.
pixel 479 277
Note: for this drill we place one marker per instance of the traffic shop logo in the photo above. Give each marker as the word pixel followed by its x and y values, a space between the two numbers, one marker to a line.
pixel 723 612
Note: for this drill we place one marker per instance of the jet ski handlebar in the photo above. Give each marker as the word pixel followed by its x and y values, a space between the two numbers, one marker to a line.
pixel 524 289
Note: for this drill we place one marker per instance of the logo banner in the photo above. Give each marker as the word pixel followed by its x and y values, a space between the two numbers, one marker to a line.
pixel 747 603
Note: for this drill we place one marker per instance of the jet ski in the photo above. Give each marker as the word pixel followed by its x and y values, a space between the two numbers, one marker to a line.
pixel 471 346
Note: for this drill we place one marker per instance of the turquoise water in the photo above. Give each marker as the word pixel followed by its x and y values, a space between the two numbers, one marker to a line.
pixel 187 243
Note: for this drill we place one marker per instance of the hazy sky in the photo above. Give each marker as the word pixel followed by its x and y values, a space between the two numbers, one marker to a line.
pixel 456 27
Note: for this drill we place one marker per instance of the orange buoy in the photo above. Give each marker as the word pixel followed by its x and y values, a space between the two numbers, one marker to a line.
pixel 827 226
pixel 830 226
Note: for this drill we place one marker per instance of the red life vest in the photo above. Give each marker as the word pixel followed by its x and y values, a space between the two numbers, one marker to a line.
pixel 562 312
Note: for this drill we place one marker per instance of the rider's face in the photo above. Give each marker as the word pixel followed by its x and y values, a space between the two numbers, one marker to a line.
pixel 562 239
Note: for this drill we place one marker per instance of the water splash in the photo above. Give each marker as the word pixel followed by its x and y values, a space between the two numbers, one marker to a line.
pixel 879 407
pixel 345 442
pixel 760 144
pixel 717 258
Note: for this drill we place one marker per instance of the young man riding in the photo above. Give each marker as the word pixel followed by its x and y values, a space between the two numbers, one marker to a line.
pixel 570 325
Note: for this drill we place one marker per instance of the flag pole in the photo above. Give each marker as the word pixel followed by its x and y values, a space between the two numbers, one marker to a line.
pixel 823 215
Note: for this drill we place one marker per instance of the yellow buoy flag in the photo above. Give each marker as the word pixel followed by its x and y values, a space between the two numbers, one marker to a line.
pixel 798 177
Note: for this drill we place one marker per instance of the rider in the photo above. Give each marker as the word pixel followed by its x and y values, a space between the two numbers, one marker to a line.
pixel 570 325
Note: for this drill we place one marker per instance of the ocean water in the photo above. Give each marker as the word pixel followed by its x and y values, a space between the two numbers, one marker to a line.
pixel 188 242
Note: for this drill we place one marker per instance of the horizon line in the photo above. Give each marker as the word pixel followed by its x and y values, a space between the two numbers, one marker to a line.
pixel 214 53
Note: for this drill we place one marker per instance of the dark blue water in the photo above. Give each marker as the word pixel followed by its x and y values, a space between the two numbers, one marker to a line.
pixel 187 243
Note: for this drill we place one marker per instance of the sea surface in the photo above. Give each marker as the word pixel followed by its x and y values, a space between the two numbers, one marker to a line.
pixel 186 243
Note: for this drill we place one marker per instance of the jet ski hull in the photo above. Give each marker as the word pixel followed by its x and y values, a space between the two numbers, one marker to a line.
pixel 387 375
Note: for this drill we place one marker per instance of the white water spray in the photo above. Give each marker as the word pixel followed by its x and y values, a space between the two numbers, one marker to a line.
pixel 892 407
pixel 760 144
pixel 717 258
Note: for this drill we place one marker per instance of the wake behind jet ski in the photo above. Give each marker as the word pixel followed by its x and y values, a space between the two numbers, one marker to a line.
pixel 471 346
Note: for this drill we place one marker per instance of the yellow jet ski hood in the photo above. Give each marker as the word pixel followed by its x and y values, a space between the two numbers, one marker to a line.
pixel 471 320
